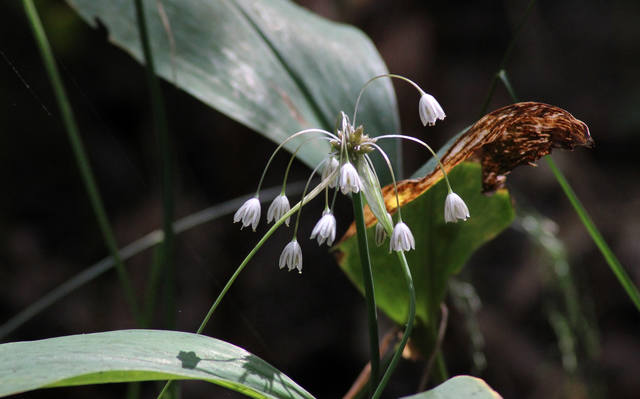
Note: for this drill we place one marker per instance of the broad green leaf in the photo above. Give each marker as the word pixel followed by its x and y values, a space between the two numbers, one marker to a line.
pixel 268 64
pixel 139 355
pixel 441 249
pixel 459 387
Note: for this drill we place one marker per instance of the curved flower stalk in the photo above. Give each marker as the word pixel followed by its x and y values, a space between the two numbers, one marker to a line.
pixel 347 168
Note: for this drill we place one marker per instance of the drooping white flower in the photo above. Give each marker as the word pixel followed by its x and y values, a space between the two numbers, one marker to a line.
pixel 381 232
pixel 325 229
pixel 329 168
pixel 349 179
pixel 429 110
pixel 401 238
pixel 455 208
pixel 249 213
pixel 291 256
pixel 278 208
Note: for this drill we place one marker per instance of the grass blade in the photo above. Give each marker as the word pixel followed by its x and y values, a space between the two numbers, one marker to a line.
pixel 79 152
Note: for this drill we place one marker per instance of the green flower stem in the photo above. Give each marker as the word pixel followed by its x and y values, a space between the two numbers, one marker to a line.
pixel 505 57
pixel 408 327
pixel 312 194
pixel 612 261
pixel 79 153
pixel 160 121
pixel 367 281
pixel 608 255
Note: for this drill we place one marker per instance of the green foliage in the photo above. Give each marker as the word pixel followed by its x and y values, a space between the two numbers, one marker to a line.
pixel 461 386
pixel 139 355
pixel 270 65
pixel 441 249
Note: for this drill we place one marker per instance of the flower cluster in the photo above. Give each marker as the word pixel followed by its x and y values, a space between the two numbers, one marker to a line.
pixel 348 169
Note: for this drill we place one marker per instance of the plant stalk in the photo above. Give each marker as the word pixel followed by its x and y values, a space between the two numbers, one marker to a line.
pixel 161 126
pixel 81 158
pixel 408 327
pixel 367 281
pixel 607 253
pixel 317 190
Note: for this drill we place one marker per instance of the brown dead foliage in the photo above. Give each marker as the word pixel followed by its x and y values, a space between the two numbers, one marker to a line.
pixel 518 134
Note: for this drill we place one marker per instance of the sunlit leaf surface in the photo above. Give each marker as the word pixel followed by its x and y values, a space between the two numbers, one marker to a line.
pixel 139 355
pixel 459 387
pixel 268 64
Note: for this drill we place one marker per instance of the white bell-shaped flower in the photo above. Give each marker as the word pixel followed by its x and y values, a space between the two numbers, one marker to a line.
pixel 291 256
pixel 401 238
pixel 329 168
pixel 278 208
pixel 429 110
pixel 349 179
pixel 249 213
pixel 325 229
pixel 455 208
pixel 381 232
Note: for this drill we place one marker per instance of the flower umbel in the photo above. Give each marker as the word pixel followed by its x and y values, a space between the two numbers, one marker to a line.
pixel 455 208
pixel 249 213
pixel 429 110
pixel 278 208
pixel 291 256
pixel 401 238
pixel 325 229
pixel 348 168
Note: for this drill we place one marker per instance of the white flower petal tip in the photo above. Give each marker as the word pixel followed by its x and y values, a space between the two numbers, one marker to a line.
pixel 291 256
pixel 455 209
pixel 330 167
pixel 401 238
pixel 278 208
pixel 430 110
pixel 249 213
pixel 349 179
pixel 325 229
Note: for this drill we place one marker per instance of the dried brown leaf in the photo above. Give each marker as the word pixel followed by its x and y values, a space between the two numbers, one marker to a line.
pixel 515 135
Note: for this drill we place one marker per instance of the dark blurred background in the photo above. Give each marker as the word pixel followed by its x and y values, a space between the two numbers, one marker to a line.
pixel 583 56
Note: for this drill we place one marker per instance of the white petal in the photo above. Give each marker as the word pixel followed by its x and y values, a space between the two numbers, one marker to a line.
pixel 349 179
pixel 401 238
pixel 455 208
pixel 329 168
pixel 249 213
pixel 325 229
pixel 381 233
pixel 429 110
pixel 278 208
pixel 291 256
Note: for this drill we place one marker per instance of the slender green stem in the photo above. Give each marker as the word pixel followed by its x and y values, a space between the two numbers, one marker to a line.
pixel 312 194
pixel 425 145
pixel 386 75
pixel 608 255
pixel 505 57
pixel 612 261
pixel 161 125
pixel 145 242
pixel 369 293
pixel 79 153
pixel 408 327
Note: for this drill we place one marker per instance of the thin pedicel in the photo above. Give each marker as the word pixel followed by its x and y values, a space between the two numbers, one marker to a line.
pixel 350 169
